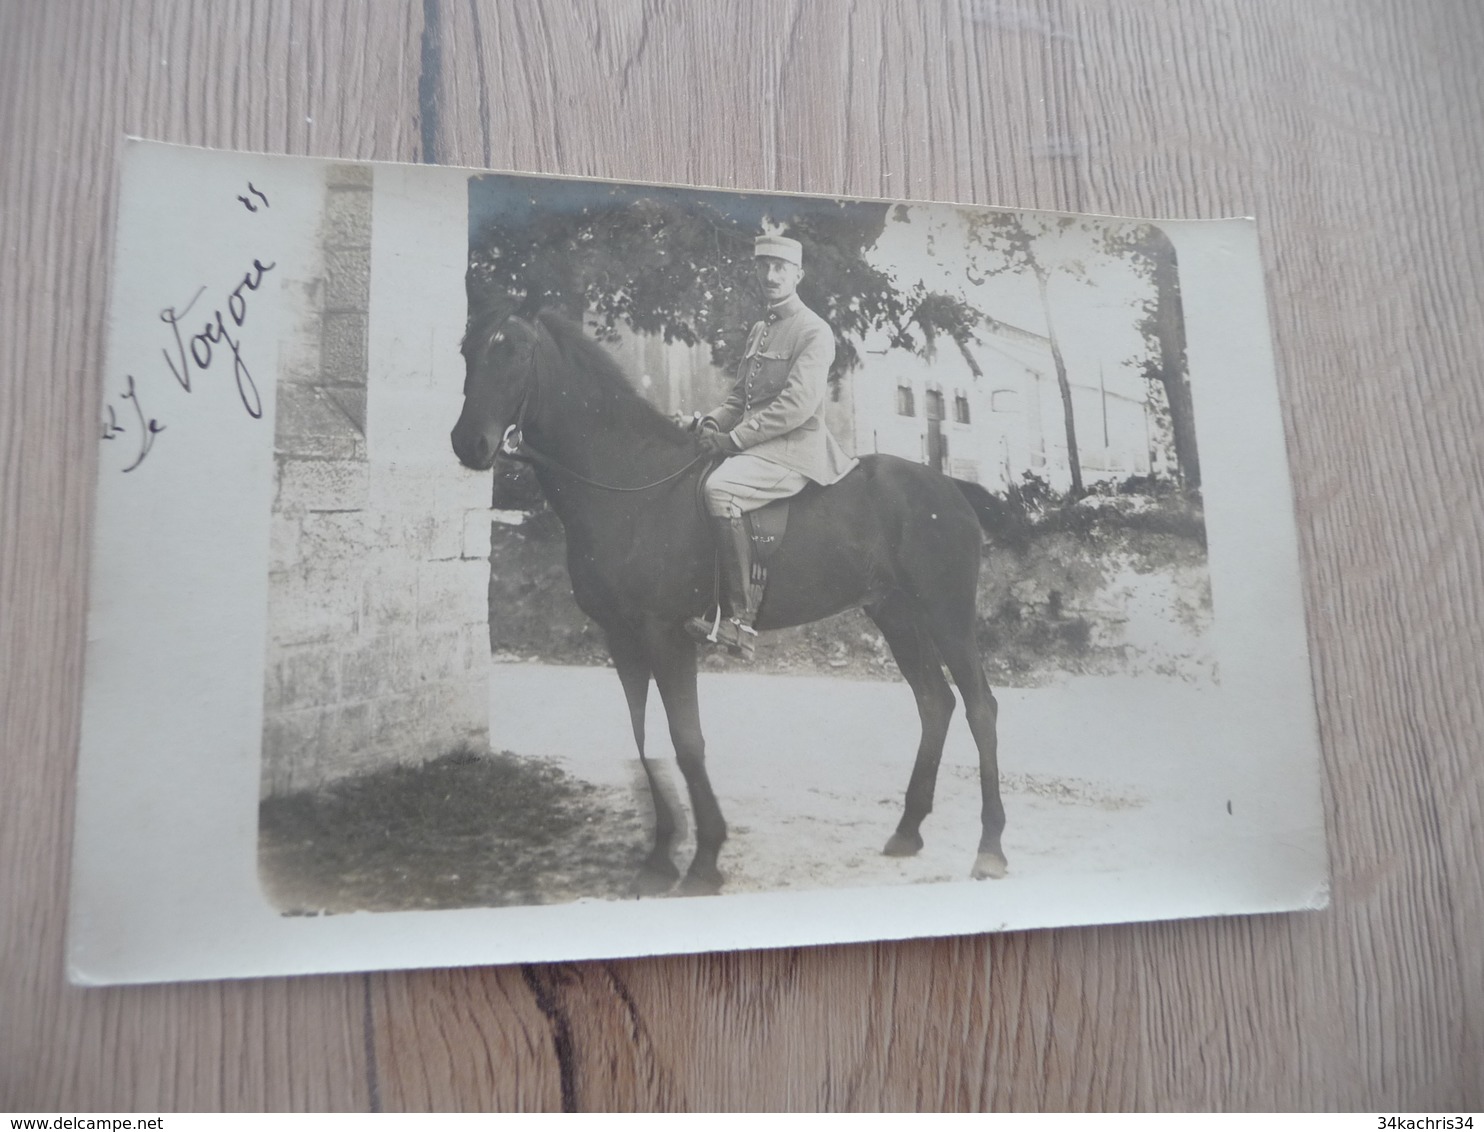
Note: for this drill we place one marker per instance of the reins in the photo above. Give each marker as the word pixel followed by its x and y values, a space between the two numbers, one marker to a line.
pixel 513 444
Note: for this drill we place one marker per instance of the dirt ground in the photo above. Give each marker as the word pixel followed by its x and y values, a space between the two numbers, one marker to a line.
pixel 497 830
pixel 1118 791
pixel 1101 781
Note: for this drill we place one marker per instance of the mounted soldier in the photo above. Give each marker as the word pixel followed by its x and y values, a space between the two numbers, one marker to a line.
pixel 771 430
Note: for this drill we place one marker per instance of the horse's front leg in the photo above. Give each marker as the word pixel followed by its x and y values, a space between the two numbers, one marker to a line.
pixel 672 656
pixel 658 874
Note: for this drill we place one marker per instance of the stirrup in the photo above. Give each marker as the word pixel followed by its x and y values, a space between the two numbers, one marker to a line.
pixel 705 629
pixel 742 638
pixel 731 633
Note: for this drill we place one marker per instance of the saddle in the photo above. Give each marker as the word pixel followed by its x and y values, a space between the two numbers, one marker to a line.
pixel 765 528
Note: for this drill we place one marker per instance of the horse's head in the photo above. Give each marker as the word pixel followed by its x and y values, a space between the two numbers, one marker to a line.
pixel 498 355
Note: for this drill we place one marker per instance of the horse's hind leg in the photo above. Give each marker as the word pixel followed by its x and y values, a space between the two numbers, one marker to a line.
pixel 658 873
pixel 918 659
pixel 953 633
pixel 672 655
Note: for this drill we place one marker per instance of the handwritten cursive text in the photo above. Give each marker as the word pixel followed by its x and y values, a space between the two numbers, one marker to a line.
pixel 201 349
pixel 148 426
pixel 195 346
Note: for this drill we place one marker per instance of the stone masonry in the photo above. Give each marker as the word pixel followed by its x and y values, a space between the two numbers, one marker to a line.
pixel 378 649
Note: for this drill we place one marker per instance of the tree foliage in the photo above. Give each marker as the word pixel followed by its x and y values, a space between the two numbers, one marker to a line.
pixel 679 263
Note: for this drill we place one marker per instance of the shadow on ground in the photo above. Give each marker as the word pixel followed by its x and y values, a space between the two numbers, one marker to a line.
pixel 468 830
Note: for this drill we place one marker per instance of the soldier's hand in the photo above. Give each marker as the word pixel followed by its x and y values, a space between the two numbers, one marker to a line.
pixel 717 443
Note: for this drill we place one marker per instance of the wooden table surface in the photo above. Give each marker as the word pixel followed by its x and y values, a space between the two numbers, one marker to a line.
pixel 1353 131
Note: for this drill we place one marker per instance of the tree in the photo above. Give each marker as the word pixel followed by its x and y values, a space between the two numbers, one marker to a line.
pixel 678 263
pixel 936 313
pixel 1028 242
pixel 1151 254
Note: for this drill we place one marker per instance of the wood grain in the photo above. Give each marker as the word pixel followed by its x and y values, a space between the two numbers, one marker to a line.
pixel 1350 130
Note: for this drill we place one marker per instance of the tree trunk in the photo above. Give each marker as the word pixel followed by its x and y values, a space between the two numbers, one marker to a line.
pixel 1074 461
pixel 1168 325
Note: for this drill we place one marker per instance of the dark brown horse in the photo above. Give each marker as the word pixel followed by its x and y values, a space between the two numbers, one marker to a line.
pixel 893 537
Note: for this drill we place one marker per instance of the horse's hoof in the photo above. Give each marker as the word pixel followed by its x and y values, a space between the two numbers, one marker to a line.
pixel 900 845
pixel 989 866
pixel 654 879
pixel 695 884
pixel 650 884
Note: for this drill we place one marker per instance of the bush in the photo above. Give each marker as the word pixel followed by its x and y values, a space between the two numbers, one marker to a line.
pixel 1048 595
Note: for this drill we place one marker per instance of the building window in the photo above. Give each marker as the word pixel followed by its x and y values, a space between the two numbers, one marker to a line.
pixel 961 407
pixel 906 407
pixel 934 404
pixel 1004 401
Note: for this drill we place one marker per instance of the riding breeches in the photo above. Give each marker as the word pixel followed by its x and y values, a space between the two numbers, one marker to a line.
pixel 745 482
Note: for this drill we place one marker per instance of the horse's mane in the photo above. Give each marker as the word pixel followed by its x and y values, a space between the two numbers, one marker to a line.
pixel 598 368
pixel 582 351
pixel 601 376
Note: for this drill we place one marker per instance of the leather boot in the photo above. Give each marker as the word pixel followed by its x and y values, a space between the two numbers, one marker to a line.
pixel 735 632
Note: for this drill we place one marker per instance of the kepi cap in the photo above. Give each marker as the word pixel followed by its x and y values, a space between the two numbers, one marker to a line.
pixel 779 247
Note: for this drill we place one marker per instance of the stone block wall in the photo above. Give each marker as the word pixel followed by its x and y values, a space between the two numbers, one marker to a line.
pixel 378 625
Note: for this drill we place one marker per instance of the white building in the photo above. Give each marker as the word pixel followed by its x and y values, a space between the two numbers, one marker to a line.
pixel 994 425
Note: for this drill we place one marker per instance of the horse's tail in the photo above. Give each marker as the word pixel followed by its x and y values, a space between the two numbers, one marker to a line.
pixel 1002 522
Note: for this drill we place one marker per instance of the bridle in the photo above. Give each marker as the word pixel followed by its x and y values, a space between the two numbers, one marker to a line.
pixel 513 443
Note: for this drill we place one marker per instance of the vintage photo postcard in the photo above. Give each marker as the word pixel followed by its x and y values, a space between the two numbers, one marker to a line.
pixel 493 568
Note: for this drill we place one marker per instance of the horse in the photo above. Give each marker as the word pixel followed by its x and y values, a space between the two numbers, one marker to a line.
pixel 895 538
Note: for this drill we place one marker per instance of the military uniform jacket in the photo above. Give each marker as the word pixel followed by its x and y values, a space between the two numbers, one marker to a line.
pixel 776 407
